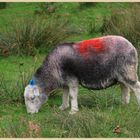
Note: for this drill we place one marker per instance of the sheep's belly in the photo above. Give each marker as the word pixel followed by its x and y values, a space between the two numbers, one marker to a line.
pixel 99 85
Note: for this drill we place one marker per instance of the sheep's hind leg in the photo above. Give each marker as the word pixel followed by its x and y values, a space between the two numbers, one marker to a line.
pixel 130 79
pixel 136 90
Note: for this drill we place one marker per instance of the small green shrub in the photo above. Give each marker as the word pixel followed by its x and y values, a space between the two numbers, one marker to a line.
pixel 3 5
pixel 27 36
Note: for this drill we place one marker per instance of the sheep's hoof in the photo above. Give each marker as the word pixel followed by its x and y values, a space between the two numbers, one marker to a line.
pixel 73 112
pixel 62 107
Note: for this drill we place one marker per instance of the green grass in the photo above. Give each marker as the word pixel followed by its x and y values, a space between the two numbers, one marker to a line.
pixel 100 111
pixel 12 66
pixel 16 10
pixel 80 19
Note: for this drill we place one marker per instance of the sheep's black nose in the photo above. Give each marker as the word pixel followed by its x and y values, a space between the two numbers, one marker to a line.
pixel 32 98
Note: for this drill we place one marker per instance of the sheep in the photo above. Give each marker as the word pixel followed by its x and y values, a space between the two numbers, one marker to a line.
pixel 96 63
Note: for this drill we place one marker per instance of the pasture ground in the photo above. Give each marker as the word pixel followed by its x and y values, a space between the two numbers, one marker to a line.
pixel 100 111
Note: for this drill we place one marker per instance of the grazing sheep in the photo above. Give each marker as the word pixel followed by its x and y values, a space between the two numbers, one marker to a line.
pixel 95 64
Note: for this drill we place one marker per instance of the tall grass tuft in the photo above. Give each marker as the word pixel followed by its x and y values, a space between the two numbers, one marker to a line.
pixel 124 22
pixel 26 36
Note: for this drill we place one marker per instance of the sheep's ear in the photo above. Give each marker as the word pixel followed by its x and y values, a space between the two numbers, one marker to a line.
pixel 36 92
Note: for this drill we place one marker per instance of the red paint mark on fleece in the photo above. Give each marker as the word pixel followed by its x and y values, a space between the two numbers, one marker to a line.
pixel 95 45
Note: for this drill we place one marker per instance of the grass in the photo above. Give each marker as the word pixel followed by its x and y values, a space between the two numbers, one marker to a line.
pixel 79 18
pixel 100 111
pixel 128 25
pixel 29 35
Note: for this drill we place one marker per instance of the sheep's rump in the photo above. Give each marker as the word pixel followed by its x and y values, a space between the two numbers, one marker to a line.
pixel 99 63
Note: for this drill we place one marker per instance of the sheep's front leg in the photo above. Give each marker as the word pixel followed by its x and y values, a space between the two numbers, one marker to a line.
pixel 125 94
pixel 65 99
pixel 73 91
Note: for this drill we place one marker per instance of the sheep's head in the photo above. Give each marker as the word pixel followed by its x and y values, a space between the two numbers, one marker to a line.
pixel 33 97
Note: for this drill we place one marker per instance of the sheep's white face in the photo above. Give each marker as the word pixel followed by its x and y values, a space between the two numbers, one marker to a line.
pixel 33 99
